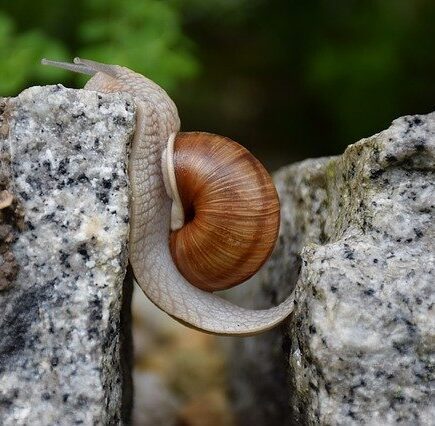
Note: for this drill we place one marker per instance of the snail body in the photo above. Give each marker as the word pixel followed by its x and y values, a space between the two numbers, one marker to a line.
pixel 160 164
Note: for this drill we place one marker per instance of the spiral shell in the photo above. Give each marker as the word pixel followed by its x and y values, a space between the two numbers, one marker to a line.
pixel 231 211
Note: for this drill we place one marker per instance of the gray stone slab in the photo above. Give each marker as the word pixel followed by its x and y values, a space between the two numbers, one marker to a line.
pixel 63 158
pixel 357 240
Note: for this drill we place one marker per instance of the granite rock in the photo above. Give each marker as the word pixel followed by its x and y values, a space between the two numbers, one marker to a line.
pixel 357 242
pixel 63 158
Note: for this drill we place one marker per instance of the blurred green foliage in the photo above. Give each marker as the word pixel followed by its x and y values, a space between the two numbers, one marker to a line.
pixel 143 35
pixel 20 52
pixel 288 79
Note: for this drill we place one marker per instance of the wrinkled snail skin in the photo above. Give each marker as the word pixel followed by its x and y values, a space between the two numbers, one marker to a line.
pixel 150 212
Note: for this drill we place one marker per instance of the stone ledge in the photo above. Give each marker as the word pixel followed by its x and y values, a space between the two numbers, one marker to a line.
pixel 357 240
pixel 63 158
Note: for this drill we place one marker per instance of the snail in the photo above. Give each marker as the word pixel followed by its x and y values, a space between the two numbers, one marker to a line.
pixel 204 214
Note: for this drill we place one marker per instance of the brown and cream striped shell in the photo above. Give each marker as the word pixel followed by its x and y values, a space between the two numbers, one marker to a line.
pixel 231 211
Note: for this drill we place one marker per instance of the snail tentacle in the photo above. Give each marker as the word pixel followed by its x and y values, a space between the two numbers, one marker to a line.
pixel 82 69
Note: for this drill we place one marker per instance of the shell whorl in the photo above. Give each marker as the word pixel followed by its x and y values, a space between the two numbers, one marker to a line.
pixel 231 211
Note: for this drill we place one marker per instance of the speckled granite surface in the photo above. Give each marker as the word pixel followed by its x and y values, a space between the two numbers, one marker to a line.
pixel 263 398
pixel 360 345
pixel 65 153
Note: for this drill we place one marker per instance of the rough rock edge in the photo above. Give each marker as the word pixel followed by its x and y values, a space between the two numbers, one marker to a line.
pixel 378 243
pixel 321 209
pixel 11 215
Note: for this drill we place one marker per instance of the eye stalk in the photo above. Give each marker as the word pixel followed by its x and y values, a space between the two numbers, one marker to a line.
pixel 230 210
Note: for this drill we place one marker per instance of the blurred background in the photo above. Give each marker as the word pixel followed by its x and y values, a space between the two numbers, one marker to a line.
pixel 287 79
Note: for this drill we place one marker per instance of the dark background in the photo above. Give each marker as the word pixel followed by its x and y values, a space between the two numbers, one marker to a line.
pixel 288 79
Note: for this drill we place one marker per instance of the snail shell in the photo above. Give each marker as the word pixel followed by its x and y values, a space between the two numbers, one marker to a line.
pixel 231 211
